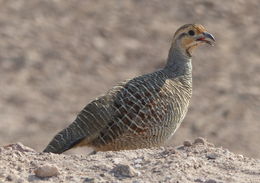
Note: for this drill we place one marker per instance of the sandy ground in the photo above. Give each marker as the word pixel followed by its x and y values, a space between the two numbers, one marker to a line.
pixel 56 56
pixel 196 163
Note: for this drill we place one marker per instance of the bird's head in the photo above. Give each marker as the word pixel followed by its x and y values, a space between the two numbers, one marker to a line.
pixel 189 36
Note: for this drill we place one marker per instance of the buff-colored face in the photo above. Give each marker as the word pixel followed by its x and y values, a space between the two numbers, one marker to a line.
pixel 189 36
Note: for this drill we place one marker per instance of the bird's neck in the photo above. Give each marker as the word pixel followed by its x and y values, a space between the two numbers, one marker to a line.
pixel 178 63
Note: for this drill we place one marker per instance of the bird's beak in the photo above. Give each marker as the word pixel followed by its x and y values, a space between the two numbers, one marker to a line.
pixel 206 37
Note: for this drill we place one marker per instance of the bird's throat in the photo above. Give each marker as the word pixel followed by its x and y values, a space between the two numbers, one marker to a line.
pixel 178 63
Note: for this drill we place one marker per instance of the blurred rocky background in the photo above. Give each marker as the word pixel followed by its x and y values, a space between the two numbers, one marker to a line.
pixel 56 56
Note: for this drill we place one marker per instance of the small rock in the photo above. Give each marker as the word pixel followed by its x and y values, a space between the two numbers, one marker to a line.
pixel 210 181
pixel 240 156
pixel 198 180
pixel 10 178
pixel 187 143
pixel 124 171
pixel 19 168
pixel 136 181
pixel 18 154
pixel 34 163
pixel 169 151
pixel 138 166
pixel 117 160
pixel 89 180
pixel 102 175
pixel 19 147
pixel 46 171
pixel 212 156
pixel 138 161
pixel 231 158
pixel 199 140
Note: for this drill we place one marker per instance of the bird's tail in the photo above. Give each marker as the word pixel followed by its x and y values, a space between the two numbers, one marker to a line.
pixel 66 139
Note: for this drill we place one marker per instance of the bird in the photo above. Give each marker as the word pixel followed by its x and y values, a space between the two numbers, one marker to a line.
pixel 142 112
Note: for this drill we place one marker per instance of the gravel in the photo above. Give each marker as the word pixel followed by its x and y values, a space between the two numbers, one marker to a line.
pixel 197 163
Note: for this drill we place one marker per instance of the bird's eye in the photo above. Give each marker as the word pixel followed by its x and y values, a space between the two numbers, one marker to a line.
pixel 191 33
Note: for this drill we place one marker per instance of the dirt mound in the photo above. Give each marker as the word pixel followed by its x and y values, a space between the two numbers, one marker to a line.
pixel 195 162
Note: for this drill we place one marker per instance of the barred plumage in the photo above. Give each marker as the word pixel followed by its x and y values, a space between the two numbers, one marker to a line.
pixel 140 113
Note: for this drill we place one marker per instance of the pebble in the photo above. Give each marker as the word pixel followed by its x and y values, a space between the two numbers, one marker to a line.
pixel 199 140
pixel 102 175
pixel 187 143
pixel 46 171
pixel 198 180
pixel 18 153
pixel 137 181
pixel 169 151
pixel 117 160
pixel 123 171
pixel 89 180
pixel 210 181
pixel 212 155
pixel 138 165
pixel 19 168
pixel 139 160
pixel 19 147
pixel 10 178
pixel 240 156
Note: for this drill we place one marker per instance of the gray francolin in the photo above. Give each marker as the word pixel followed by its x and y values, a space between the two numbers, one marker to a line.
pixel 142 112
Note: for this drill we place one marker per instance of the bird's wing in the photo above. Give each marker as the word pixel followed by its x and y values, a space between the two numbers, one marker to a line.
pixel 130 107
pixel 139 107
